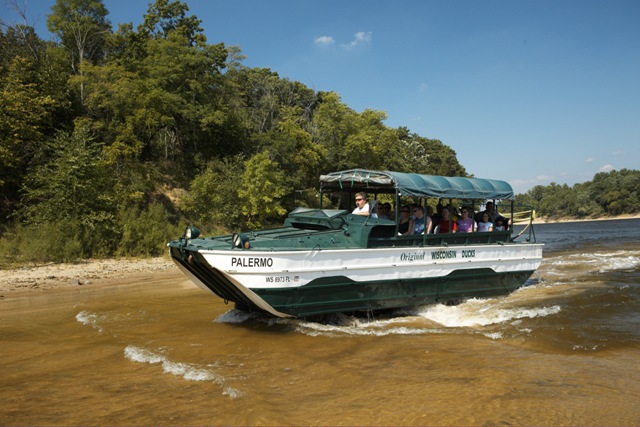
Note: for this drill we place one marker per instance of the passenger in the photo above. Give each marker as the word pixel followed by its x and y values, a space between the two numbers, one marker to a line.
pixel 406 222
pixel 485 223
pixel 436 217
pixel 362 206
pixel 382 212
pixel 422 224
pixel 465 223
pixel 489 209
pixel 413 208
pixel 444 222
pixel 390 213
pixel 500 226
pixel 453 213
pixel 430 211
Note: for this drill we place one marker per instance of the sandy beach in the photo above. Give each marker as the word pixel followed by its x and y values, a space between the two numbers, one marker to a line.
pixel 543 220
pixel 90 272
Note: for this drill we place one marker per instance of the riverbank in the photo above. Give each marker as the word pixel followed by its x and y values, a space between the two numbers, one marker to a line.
pixel 83 273
pixel 545 220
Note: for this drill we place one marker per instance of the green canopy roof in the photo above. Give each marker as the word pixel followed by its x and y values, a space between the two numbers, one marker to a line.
pixel 413 184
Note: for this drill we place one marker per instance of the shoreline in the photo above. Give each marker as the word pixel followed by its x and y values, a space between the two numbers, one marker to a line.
pixel 85 273
pixel 546 220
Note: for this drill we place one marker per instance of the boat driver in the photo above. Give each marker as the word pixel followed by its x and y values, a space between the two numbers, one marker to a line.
pixel 362 206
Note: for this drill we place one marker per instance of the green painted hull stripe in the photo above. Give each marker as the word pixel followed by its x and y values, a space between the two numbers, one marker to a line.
pixel 343 294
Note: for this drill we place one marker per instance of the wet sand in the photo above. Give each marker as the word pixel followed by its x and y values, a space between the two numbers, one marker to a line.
pixel 86 273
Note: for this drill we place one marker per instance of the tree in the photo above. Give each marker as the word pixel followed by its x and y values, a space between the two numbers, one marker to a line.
pixel 72 184
pixel 291 147
pixel 24 114
pixel 72 193
pixel 213 201
pixel 261 191
pixel 164 17
pixel 82 27
pixel 332 123
pixel 617 191
pixel 428 156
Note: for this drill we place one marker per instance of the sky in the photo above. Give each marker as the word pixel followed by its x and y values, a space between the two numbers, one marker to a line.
pixel 531 92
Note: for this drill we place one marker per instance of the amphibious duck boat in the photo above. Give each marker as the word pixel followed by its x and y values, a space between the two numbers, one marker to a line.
pixel 325 261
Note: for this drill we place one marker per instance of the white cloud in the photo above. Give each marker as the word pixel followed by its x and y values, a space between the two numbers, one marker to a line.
pixel 589 159
pixel 617 153
pixel 606 168
pixel 423 87
pixel 324 41
pixel 359 38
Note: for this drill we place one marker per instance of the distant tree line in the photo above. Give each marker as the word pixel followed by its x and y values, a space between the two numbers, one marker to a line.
pixel 608 194
pixel 110 141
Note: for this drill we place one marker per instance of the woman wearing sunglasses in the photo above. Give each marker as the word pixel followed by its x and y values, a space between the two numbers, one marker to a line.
pixel 405 223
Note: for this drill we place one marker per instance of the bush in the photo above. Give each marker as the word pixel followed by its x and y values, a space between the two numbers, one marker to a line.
pixel 47 242
pixel 143 233
pixel 146 232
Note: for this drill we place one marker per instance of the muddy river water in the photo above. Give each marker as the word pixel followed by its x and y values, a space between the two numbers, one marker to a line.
pixel 154 349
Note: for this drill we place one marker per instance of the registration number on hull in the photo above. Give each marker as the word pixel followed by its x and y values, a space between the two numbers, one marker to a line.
pixel 278 279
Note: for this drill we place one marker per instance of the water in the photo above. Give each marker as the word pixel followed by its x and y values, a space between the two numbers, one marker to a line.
pixel 155 350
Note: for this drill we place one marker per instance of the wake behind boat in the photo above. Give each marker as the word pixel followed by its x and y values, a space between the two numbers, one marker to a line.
pixel 325 261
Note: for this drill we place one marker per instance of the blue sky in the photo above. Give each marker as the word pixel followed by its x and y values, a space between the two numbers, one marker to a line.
pixel 531 92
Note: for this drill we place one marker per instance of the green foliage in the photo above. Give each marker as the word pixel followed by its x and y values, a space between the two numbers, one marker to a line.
pixel 165 18
pixel 213 201
pixel 23 112
pixel 610 193
pixel 372 145
pixel 46 242
pixel 261 190
pixel 28 108
pixel 428 156
pixel 300 159
pixel 618 192
pixel 333 122
pixel 52 241
pixel 82 26
pixel 70 183
pixel 145 232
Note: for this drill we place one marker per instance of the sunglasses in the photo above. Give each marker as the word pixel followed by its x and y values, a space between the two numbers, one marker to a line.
pixel 405 210
pixel 357 200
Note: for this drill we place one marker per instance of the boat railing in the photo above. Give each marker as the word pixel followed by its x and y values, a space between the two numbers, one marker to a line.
pixel 524 218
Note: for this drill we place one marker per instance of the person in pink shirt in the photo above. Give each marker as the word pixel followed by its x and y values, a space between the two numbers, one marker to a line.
pixel 465 223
